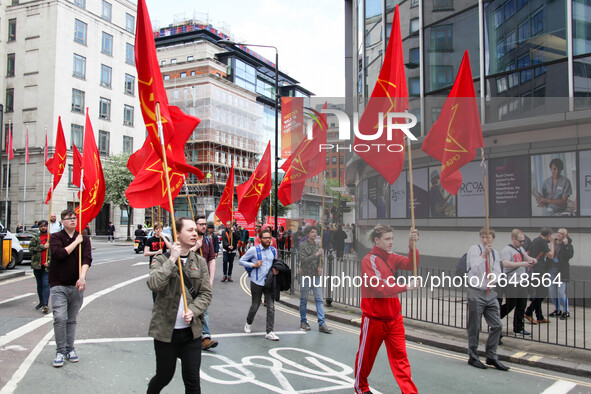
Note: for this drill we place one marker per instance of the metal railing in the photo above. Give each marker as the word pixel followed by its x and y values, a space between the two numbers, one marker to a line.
pixel 447 304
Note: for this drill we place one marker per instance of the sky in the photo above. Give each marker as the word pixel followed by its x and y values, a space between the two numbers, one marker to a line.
pixel 309 34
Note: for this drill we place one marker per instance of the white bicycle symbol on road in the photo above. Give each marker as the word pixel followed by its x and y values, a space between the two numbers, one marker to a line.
pixel 330 374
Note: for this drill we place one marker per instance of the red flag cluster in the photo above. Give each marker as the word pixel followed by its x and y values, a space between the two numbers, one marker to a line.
pixel 225 208
pixel 252 192
pixel 149 187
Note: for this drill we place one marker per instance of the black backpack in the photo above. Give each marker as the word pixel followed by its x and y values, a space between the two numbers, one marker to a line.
pixel 462 267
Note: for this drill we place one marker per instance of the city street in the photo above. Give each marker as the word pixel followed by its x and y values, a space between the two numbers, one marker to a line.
pixel 117 356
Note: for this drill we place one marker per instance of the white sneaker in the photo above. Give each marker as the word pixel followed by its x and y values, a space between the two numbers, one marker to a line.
pixel 247 328
pixel 271 336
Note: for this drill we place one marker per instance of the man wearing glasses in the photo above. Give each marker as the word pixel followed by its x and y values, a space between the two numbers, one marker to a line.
pixel 515 261
pixel 205 249
pixel 67 285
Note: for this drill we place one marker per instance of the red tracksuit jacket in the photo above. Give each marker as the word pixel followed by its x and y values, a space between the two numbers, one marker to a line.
pixel 381 301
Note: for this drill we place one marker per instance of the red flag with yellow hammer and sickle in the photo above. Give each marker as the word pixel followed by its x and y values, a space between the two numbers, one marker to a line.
pixel 57 163
pixel 252 192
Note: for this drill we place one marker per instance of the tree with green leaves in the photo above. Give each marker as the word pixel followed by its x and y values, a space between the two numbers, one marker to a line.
pixel 117 179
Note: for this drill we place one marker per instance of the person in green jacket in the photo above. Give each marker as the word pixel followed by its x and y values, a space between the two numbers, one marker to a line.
pixel 40 258
pixel 176 333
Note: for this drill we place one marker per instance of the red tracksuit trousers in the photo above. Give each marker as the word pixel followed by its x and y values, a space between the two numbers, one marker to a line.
pixel 373 333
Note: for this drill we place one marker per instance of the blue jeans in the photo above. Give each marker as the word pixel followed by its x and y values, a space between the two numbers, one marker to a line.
pixel 316 286
pixel 206 332
pixel 42 278
pixel 66 302
pixel 558 293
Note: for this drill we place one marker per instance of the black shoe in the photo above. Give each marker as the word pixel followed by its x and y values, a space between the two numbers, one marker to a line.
pixel 39 306
pixel 522 332
pixel 555 313
pixel 565 315
pixel 476 363
pixel 497 364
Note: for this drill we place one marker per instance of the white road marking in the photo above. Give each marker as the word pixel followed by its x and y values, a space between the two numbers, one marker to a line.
pixel 559 387
pixel 16 298
pixel 19 332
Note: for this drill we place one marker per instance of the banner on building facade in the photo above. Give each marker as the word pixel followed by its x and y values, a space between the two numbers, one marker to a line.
pixel 421 193
pixel 242 222
pixel 509 187
pixel 398 197
pixel 554 184
pixel 442 204
pixel 292 124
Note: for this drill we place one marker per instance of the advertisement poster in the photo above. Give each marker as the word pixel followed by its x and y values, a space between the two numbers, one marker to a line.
pixel 421 193
pixel 441 203
pixel 292 124
pixel 509 187
pixel 241 222
pixel 470 198
pixel 554 184
pixel 585 179
pixel 398 197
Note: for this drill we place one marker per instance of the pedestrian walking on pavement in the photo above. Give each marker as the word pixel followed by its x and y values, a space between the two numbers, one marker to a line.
pixel 230 239
pixel 176 333
pixel 564 251
pixel 67 284
pixel 542 249
pixel 54 225
pixel 484 267
pixel 204 248
pixel 258 260
pixel 381 320
pixel 111 232
pixel 40 259
pixel 311 278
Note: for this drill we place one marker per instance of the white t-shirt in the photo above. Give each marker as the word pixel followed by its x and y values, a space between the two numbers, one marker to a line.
pixel 180 322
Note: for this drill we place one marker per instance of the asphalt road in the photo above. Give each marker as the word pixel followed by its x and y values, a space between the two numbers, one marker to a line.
pixel 117 356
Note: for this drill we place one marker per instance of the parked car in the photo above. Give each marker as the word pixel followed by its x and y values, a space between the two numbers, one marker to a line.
pixel 17 250
pixel 25 238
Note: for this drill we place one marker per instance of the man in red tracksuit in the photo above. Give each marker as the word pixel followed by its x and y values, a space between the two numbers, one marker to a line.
pixel 381 319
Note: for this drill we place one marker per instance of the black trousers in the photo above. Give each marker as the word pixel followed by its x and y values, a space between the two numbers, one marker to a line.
pixel 228 263
pixel 536 306
pixel 516 298
pixel 186 348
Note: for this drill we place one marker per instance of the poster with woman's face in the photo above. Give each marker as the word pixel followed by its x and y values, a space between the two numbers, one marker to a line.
pixel 554 184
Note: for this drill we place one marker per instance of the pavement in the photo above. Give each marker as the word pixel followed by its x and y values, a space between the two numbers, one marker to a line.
pixel 557 358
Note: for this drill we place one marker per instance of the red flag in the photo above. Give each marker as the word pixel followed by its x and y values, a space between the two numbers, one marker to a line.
pixel 148 189
pixel 252 192
pixel 389 95
pixel 77 168
pixel 93 191
pixel 304 163
pixel 57 163
pixel 9 147
pixel 27 147
pixel 456 134
pixel 226 205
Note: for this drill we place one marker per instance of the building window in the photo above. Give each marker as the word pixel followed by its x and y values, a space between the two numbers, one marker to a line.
pixel 80 29
pixel 124 215
pixel 509 9
pixel 190 58
pixel 80 3
pixel 129 23
pixel 498 16
pixel 106 75
pixel 77 101
pixel 129 53
pixel 79 66
pixel 510 41
pixel 413 56
pixel 76 136
pixel 166 77
pixel 127 144
pixel 334 173
pixel 193 73
pixel 341 159
pixel 414 25
pixel 414 86
pixel 521 4
pixel 9 100
pixel 523 62
pixel 523 31
pixel 10 65
pixel 107 8
pixel 128 115
pixel 71 175
pixel 12 29
pixel 107 44
pixel 105 109
pixel 129 84
pixel 442 38
pixel 334 160
pixel 172 61
pixel 414 3
pixel 443 5
pixel 163 62
pixel 183 75
pixel 537 23
pixel 103 142
pixel 441 76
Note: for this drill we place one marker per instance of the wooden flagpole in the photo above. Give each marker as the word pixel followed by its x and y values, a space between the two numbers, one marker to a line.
pixel 165 169
pixel 412 208
pixel 483 166
pixel 43 166
pixel 50 208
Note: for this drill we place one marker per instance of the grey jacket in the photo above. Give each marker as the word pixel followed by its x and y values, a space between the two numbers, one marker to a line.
pixel 164 279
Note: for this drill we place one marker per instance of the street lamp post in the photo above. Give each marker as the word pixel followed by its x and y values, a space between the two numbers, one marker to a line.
pixel 228 43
